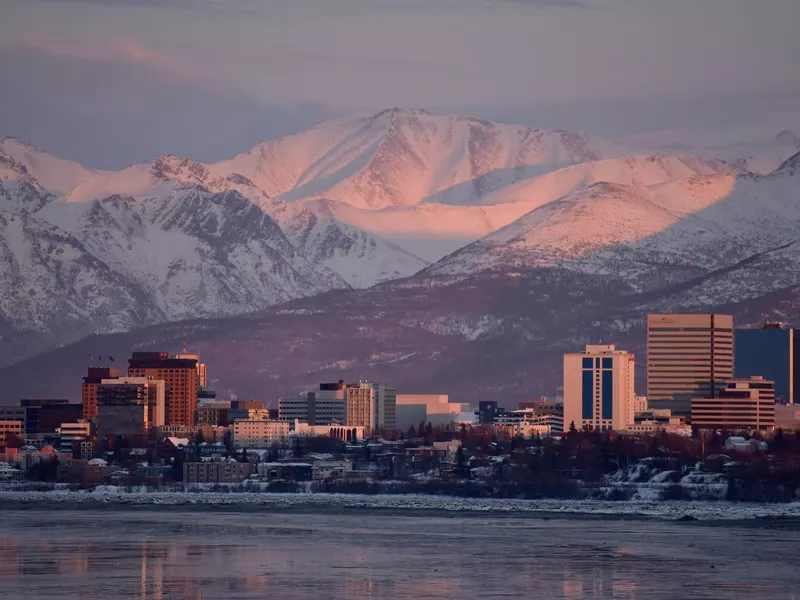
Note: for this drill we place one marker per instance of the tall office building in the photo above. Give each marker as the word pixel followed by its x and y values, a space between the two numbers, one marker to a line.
pixel 744 404
pixel 361 406
pixel 180 382
pixel 370 405
pixel 688 356
pixel 772 352
pixel 598 388
pixel 325 406
pixel 201 367
pixel 124 390
pixel 89 389
pixel 385 406
pixel 364 404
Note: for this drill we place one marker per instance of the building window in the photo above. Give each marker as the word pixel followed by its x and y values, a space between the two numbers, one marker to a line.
pixel 588 394
pixel 608 394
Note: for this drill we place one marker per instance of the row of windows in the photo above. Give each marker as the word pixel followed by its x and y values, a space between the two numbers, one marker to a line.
pixel 727 412
pixel 716 404
pixel 686 359
pixel 663 333
pixel 688 353
pixel 668 351
pixel 689 338
pixel 685 344
pixel 605 363
pixel 652 328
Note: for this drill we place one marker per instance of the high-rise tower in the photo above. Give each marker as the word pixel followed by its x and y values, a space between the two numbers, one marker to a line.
pixel 688 356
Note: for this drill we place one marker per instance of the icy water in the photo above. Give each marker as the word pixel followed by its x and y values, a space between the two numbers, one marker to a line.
pixel 350 554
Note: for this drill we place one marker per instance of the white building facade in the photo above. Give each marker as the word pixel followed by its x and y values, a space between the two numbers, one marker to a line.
pixel 436 409
pixel 259 433
pixel 598 388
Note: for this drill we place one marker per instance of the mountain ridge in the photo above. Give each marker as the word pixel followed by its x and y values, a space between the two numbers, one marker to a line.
pixel 386 231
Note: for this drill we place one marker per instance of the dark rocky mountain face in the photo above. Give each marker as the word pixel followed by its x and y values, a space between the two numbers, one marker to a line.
pixel 609 242
pixel 495 335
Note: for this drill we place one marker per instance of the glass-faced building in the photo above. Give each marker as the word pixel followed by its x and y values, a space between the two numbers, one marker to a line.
pixel 773 353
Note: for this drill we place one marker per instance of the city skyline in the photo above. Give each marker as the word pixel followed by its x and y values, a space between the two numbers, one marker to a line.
pixel 399 299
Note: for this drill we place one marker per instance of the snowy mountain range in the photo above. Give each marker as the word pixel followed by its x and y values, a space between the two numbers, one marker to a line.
pixel 464 231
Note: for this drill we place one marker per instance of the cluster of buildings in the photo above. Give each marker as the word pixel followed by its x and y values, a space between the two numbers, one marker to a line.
pixel 163 403
pixel 701 373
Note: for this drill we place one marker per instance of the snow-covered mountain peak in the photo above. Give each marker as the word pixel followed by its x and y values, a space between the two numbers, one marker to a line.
pixel 790 166
pixel 55 174
pixel 11 145
pixel 788 137
pixel 402 157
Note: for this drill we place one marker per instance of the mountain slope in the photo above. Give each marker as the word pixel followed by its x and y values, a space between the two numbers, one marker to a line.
pixel 535 230
pixel 401 157
pixel 652 236
pixel 55 174
pixel 117 263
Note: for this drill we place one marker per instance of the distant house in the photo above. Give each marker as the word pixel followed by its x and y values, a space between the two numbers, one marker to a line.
pixel 171 445
pixel 9 473
pixel 740 444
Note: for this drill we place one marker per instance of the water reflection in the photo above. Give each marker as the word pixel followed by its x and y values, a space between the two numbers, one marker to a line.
pixel 203 555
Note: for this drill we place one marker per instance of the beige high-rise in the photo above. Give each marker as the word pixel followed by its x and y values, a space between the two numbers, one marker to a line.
pixel 688 356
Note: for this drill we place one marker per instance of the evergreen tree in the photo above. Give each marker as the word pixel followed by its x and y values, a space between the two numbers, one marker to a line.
pixel 227 439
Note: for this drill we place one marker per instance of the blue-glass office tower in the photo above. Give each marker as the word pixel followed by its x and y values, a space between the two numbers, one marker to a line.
pixel 772 352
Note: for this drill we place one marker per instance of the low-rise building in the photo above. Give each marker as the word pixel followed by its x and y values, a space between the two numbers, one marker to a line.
pixel 436 409
pixel 11 429
pixel 259 433
pixel 330 469
pixel 338 432
pixel 529 422
pixel 787 417
pixel 293 471
pixel 71 435
pixel 9 473
pixel 216 472
pixel 251 404
pixel 15 413
pixel 177 431
pixel 740 444
pixel 213 414
pixel 744 404
pixel 658 419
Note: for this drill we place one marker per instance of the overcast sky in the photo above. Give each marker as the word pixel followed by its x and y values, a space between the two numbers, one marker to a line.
pixel 111 82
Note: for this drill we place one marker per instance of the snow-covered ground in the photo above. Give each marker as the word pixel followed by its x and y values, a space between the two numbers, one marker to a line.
pixel 654 509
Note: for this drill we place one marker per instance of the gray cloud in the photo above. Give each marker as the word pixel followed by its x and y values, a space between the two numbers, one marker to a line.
pixel 655 64
pixel 339 7
pixel 188 4
pixel 109 114
pixel 551 3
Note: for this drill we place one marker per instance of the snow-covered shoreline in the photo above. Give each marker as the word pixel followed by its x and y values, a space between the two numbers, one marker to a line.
pixel 711 511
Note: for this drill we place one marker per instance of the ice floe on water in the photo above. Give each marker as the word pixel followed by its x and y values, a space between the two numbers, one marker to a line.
pixel 668 510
